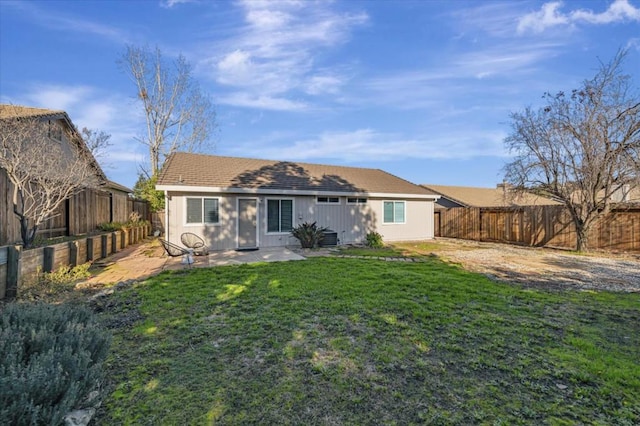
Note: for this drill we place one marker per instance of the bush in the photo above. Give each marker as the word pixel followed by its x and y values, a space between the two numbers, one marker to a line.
pixel 50 361
pixel 42 285
pixel 111 226
pixel 374 240
pixel 309 234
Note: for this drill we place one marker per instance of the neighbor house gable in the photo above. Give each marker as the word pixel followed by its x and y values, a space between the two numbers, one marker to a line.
pixel 465 196
pixel 60 125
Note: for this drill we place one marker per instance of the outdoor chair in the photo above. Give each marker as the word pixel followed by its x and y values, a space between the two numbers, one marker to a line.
pixel 173 250
pixel 195 243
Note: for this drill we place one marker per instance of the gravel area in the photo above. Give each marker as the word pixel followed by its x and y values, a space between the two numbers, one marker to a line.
pixel 548 268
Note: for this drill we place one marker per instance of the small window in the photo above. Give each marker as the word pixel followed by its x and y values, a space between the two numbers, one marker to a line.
pixel 55 131
pixel 352 200
pixel 203 210
pixel 279 215
pixel 328 200
pixel 394 211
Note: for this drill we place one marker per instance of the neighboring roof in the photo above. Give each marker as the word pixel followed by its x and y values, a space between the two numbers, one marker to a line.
pixel 114 185
pixel 188 171
pixel 487 197
pixel 8 111
pixel 13 111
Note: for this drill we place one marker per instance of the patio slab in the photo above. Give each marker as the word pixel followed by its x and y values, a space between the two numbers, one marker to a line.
pixel 267 254
pixel 148 258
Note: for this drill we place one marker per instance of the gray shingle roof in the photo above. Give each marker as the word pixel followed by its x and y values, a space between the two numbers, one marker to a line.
pixel 198 170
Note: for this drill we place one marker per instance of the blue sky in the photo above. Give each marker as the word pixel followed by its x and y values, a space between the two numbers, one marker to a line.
pixel 421 89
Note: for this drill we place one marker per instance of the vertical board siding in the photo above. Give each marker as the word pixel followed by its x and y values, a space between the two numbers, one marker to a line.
pixel 548 226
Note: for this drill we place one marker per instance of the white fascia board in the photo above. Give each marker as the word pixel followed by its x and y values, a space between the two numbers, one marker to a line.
pixel 289 192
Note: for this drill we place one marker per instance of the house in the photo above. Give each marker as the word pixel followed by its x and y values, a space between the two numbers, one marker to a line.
pixel 80 213
pixel 243 203
pixel 465 196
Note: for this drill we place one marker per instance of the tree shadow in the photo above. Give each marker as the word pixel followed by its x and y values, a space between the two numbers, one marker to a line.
pixel 291 176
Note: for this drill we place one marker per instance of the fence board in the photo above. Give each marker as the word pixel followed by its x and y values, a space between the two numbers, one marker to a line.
pixel 549 226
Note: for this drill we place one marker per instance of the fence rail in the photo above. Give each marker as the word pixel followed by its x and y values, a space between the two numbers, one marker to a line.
pixel 549 226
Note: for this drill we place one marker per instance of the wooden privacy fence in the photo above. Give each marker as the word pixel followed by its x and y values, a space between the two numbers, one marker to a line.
pixel 78 215
pixel 549 226
pixel 17 264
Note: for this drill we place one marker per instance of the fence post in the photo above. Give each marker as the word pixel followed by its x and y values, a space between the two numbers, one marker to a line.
pixel 14 255
pixel 89 249
pixel 49 254
pixel 114 242
pixel 125 237
pixel 73 253
pixel 103 246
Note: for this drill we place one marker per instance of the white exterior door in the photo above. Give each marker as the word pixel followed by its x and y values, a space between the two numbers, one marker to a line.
pixel 247 223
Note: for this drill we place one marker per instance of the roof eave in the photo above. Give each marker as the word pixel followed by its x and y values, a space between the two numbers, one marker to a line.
pixel 291 192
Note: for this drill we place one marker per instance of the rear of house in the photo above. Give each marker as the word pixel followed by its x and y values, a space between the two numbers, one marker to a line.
pixel 241 203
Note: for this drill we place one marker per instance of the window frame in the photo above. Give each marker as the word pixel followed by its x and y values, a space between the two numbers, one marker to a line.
pixel 55 131
pixel 328 200
pixel 358 200
pixel 203 213
pixel 266 216
pixel 404 211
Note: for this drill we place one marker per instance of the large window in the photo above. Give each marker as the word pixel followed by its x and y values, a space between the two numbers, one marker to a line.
pixel 394 211
pixel 203 210
pixel 279 215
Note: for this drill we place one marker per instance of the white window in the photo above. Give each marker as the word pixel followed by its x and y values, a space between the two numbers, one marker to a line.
pixel 354 200
pixel 328 200
pixel 203 210
pixel 279 215
pixel 394 211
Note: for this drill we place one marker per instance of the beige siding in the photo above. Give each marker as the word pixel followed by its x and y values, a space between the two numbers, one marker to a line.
pixel 217 236
pixel 351 221
pixel 418 221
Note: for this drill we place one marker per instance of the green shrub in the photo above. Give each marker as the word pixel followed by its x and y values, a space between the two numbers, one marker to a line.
pixel 50 361
pixel 374 240
pixel 44 284
pixel 309 234
pixel 111 226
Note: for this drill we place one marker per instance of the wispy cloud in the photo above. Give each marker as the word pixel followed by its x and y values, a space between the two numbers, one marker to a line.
pixel 371 145
pixel 274 54
pixel 550 15
pixel 168 4
pixel 274 103
pixel 56 20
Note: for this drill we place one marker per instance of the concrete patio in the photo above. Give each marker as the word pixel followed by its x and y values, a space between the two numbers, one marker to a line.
pixel 268 254
pixel 148 258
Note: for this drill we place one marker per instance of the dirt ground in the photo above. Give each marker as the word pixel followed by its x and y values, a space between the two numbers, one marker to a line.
pixel 548 268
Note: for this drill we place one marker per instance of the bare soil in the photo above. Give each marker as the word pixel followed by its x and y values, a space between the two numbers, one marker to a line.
pixel 546 268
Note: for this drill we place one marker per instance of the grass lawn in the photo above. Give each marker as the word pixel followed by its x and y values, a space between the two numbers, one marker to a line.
pixel 363 341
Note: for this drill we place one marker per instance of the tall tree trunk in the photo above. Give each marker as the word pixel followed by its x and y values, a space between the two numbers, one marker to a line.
pixel 582 237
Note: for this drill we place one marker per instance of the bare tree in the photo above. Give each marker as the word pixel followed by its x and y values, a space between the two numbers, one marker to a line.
pixel 179 116
pixel 46 165
pixel 97 141
pixel 581 148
